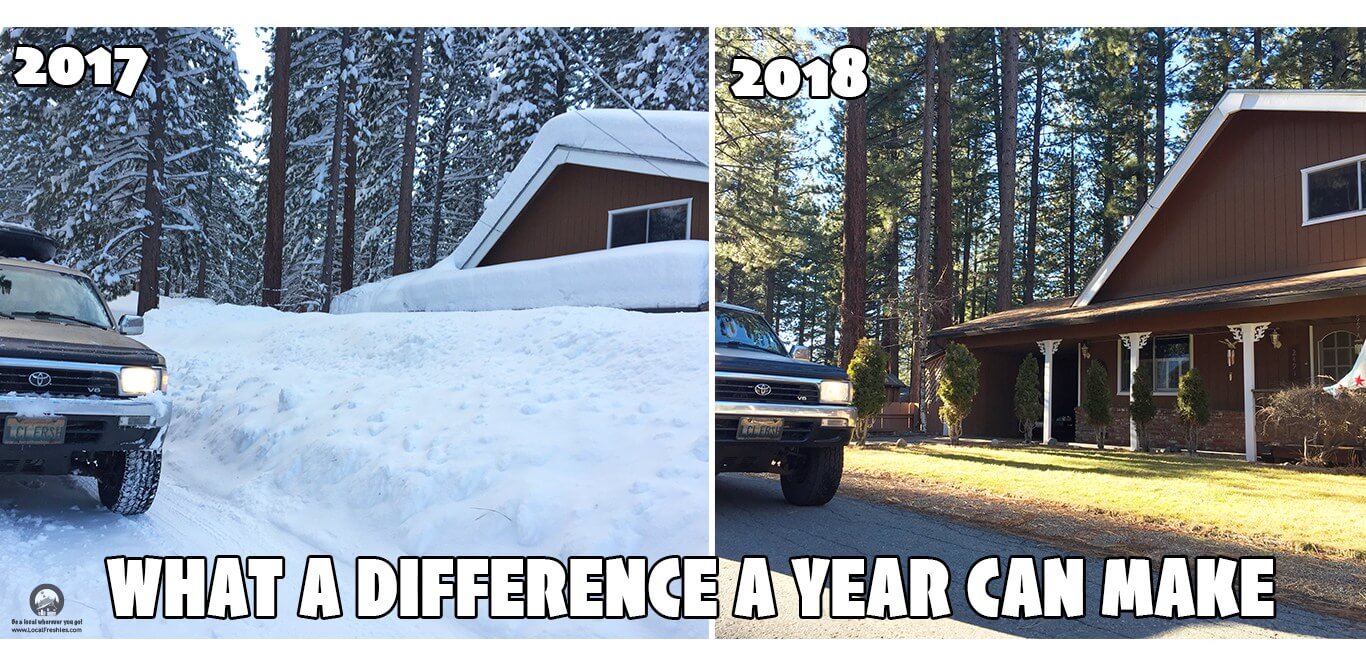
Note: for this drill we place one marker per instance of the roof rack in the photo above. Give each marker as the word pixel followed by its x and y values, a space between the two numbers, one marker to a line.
pixel 21 241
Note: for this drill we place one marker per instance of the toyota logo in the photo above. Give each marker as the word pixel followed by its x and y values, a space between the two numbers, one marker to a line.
pixel 40 379
pixel 762 389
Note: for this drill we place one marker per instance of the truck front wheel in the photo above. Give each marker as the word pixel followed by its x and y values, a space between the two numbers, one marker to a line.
pixel 815 477
pixel 128 480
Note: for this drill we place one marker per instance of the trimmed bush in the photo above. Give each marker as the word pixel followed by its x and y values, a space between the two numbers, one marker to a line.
pixel 1192 405
pixel 1028 397
pixel 957 388
pixel 1096 403
pixel 1141 406
pixel 868 374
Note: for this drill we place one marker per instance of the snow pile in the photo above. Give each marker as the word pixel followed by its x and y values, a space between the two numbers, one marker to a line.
pixel 674 144
pixel 660 275
pixel 541 432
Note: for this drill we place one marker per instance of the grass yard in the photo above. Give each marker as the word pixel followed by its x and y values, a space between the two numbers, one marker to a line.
pixel 1294 509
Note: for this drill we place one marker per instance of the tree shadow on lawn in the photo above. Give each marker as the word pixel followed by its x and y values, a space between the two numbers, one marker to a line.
pixel 1128 465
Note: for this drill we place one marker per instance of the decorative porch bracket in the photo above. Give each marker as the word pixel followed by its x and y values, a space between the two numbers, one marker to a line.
pixel 1134 341
pixel 1048 347
pixel 1248 334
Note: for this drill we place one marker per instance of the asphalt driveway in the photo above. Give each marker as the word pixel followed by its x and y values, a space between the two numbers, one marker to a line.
pixel 752 519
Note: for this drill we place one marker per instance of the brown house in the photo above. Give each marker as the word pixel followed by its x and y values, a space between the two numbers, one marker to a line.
pixel 1248 263
pixel 597 179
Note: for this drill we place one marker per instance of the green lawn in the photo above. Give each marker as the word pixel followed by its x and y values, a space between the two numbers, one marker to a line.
pixel 1313 511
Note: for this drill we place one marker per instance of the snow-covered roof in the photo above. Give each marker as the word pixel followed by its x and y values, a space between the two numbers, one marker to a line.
pixel 673 144
pixel 1234 101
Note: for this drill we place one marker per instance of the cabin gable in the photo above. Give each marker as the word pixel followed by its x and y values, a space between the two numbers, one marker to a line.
pixel 569 212
pixel 1237 215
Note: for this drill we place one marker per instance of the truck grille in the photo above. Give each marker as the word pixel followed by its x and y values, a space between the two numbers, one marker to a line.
pixel 743 390
pixel 64 382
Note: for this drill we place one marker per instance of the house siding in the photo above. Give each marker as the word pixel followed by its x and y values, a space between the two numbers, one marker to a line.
pixel 568 214
pixel 1236 216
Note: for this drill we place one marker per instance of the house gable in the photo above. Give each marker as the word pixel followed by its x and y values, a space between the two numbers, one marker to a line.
pixel 569 212
pixel 1236 214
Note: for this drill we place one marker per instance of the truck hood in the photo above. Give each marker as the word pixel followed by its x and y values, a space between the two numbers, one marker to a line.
pixel 756 362
pixel 22 338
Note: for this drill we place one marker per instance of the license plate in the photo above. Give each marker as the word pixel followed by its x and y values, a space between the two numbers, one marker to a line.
pixel 760 429
pixel 22 431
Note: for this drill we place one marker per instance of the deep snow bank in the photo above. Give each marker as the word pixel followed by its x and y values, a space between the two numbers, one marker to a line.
pixel 660 275
pixel 541 432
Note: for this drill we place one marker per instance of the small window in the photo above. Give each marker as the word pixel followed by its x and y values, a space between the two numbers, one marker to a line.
pixel 661 222
pixel 1338 352
pixel 1168 357
pixel 1334 190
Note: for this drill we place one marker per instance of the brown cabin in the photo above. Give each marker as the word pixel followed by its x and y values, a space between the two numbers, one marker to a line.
pixel 1248 262
pixel 598 179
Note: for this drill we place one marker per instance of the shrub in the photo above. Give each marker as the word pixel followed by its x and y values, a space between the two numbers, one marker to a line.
pixel 868 375
pixel 1308 415
pixel 1192 405
pixel 957 388
pixel 1028 399
pixel 1096 403
pixel 1141 406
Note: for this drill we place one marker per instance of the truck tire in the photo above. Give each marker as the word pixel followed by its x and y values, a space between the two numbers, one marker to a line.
pixel 816 478
pixel 128 481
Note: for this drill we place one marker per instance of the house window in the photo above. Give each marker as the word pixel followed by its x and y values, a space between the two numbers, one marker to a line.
pixel 1338 351
pixel 1335 190
pixel 660 222
pixel 1167 356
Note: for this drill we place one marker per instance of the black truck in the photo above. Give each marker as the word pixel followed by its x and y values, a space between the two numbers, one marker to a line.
pixel 77 395
pixel 776 411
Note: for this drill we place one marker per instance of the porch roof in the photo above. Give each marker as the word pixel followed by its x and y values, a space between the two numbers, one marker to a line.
pixel 1061 312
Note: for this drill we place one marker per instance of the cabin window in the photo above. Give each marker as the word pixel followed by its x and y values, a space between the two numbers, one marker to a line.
pixel 1335 190
pixel 1338 352
pixel 1168 356
pixel 661 222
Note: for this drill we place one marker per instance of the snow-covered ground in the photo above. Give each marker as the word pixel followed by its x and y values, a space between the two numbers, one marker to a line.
pixel 551 431
pixel 661 275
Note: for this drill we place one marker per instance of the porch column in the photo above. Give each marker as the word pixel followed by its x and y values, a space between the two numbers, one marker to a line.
pixel 1134 341
pixel 1248 334
pixel 1048 347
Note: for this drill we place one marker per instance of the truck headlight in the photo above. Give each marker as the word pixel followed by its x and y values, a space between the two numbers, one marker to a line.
pixel 139 380
pixel 835 392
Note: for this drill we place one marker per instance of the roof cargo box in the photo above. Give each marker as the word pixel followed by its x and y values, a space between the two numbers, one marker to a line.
pixel 17 241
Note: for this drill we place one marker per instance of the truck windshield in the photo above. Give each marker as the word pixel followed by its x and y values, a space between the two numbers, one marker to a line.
pixel 742 329
pixel 37 294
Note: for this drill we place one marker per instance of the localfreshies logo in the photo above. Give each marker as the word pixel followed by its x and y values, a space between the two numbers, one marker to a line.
pixel 46 600
pixel 40 379
pixel 762 389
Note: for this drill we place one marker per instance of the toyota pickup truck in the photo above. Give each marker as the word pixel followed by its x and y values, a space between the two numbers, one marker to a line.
pixel 77 395
pixel 776 411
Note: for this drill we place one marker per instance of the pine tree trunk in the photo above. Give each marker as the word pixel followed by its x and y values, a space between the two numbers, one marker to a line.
pixel 148 274
pixel 855 283
pixel 434 243
pixel 334 169
pixel 1036 138
pixel 403 236
pixel 1141 137
pixel 276 156
pixel 943 201
pixel 1258 54
pixel 201 280
pixel 1160 134
pixel 1072 216
pixel 891 323
pixel 348 236
pixel 923 222
pixel 1006 143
